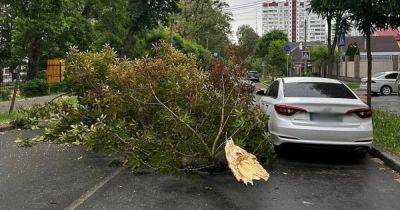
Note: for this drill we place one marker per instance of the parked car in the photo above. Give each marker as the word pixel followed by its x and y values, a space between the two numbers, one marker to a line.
pixel 253 76
pixel 316 111
pixel 383 83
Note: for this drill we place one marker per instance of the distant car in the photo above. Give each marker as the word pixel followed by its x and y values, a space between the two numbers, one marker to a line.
pixel 316 111
pixel 383 83
pixel 253 76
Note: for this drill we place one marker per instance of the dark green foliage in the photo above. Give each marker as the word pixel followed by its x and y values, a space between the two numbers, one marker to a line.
pixel 247 37
pixel 206 22
pixel 253 64
pixel 35 87
pixel 5 95
pixel 58 87
pixel 266 39
pixel 352 50
pixel 145 15
pixel 145 43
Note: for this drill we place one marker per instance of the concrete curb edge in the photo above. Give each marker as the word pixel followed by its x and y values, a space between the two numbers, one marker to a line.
pixel 5 127
pixel 389 159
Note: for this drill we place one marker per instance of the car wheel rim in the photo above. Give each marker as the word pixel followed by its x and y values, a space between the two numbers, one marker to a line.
pixel 386 91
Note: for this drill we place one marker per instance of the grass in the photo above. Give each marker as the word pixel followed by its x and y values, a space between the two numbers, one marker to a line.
pixel 353 85
pixel 5 117
pixel 387 131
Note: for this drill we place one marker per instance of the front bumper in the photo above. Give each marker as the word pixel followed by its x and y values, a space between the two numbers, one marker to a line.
pixel 374 88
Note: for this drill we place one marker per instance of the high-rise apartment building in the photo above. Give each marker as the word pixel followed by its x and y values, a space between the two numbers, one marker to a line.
pixel 293 18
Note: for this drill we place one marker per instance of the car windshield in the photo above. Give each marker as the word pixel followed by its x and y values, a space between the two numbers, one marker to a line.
pixel 317 90
pixel 252 74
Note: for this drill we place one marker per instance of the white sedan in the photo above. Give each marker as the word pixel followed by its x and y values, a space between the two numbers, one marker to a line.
pixel 317 111
pixel 383 83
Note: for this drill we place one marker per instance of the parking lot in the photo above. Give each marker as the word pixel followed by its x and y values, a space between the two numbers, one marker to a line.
pixel 49 176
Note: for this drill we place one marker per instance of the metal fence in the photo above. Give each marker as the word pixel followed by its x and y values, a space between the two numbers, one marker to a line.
pixel 9 78
pixel 52 71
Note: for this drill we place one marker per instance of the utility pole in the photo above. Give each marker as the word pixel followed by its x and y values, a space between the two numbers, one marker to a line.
pixel 305 43
pixel 287 65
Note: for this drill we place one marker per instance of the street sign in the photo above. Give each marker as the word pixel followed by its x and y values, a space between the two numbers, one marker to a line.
pixel 342 40
pixel 306 54
pixel 287 48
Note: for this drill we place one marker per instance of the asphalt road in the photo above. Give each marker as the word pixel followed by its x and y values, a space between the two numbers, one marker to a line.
pixel 49 176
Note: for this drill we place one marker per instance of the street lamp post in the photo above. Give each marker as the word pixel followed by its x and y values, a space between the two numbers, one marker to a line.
pixel 287 65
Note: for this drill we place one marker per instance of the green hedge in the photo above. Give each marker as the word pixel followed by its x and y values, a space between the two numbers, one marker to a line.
pixel 5 95
pixel 36 87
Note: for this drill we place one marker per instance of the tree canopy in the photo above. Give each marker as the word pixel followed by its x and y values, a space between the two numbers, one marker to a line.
pixel 247 37
pixel 205 22
pixel 264 42
pixel 369 16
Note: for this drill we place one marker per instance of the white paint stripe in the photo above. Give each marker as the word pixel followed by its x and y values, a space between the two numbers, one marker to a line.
pixel 92 190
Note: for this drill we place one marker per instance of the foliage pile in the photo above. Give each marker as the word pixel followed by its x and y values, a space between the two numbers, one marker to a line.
pixel 161 112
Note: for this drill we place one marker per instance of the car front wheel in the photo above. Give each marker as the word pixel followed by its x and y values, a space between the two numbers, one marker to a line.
pixel 386 90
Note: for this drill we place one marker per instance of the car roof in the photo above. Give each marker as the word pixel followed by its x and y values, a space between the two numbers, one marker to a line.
pixel 309 79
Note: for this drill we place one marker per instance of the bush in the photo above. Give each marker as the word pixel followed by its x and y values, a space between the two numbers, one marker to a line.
pixel 5 95
pixel 36 87
pixel 161 112
pixel 58 87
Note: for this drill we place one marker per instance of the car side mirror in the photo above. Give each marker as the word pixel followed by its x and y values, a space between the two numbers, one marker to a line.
pixel 261 92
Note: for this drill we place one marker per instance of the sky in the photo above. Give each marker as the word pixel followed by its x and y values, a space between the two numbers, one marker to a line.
pixel 246 12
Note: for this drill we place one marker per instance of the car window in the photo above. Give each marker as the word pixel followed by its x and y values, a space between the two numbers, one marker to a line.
pixel 273 90
pixel 378 74
pixel 392 76
pixel 317 90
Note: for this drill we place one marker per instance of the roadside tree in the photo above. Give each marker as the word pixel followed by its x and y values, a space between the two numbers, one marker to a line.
pixel 205 22
pixel 247 37
pixel 333 11
pixel 369 16
pixel 264 42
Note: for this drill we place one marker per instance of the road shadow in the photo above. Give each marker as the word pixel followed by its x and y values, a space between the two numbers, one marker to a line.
pixel 319 155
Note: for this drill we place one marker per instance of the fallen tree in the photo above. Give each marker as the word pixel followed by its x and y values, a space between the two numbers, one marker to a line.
pixel 160 112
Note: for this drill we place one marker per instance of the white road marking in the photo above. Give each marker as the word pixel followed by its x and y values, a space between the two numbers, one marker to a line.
pixel 92 190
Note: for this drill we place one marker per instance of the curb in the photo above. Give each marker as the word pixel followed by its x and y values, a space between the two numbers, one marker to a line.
pixel 388 159
pixel 5 127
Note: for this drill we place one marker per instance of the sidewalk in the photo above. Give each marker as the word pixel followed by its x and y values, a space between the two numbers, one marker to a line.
pixel 27 102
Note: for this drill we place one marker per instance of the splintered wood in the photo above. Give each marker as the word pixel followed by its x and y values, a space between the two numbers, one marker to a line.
pixel 244 165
